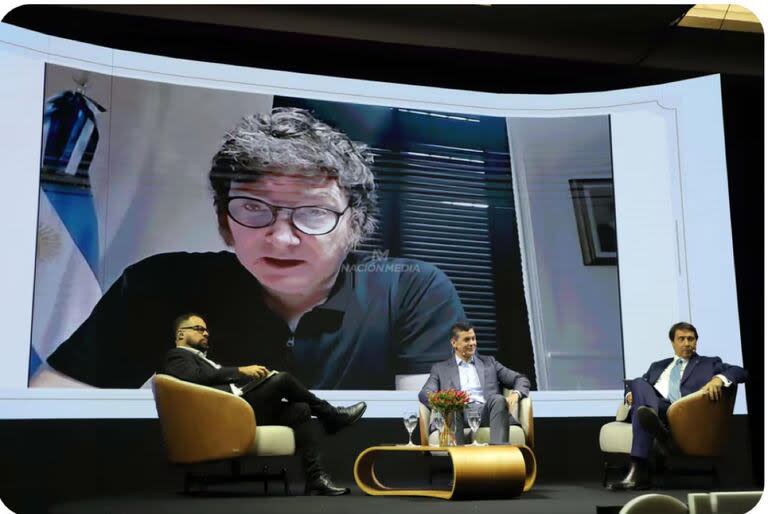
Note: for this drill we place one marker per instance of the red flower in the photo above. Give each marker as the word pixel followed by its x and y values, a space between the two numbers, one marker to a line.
pixel 448 400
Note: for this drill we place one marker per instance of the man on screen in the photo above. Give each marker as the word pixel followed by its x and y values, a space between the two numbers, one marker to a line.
pixel 665 382
pixel 482 377
pixel 293 197
pixel 264 391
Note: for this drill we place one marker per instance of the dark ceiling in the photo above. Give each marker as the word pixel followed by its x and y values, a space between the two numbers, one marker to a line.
pixel 523 48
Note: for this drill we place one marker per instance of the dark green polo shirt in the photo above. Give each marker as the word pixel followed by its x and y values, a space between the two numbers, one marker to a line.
pixel 383 317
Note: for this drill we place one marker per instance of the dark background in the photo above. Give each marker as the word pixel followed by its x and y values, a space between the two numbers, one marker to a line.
pixel 502 49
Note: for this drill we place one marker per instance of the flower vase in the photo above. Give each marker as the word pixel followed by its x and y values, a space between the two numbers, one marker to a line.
pixel 448 433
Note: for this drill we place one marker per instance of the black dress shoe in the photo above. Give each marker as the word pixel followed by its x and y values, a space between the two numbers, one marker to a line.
pixel 630 485
pixel 323 485
pixel 649 420
pixel 637 479
pixel 343 417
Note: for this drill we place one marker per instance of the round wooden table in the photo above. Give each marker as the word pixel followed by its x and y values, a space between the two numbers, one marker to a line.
pixel 497 471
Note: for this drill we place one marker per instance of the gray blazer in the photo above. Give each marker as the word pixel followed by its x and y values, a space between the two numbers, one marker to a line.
pixel 493 376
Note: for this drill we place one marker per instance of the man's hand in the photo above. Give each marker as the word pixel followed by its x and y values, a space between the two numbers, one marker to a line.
pixel 713 389
pixel 512 400
pixel 254 371
pixel 628 398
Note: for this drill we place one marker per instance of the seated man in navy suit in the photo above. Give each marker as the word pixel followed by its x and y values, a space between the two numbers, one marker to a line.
pixel 482 377
pixel 665 382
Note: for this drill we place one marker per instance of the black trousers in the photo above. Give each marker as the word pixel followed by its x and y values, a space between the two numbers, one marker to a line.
pixel 283 400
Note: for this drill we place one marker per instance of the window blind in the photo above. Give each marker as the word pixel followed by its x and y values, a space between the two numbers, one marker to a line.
pixel 442 198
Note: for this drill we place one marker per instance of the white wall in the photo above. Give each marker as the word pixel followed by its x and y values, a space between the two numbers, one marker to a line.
pixel 652 274
pixel 174 162
pixel 579 344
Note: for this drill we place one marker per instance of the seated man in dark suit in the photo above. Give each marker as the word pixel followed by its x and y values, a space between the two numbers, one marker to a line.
pixel 264 391
pixel 665 382
pixel 482 377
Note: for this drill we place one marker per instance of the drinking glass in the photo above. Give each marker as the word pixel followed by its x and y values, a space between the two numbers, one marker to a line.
pixel 410 420
pixel 438 421
pixel 473 418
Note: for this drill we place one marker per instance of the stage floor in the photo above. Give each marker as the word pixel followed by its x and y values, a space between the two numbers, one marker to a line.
pixel 120 466
pixel 550 498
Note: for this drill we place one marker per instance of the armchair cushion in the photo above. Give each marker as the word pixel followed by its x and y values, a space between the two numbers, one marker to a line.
pixel 273 440
pixel 616 437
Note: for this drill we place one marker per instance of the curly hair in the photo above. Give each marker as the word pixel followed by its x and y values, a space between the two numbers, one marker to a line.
pixel 290 141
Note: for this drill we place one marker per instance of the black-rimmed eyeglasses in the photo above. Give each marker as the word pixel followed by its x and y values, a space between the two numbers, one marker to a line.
pixel 196 328
pixel 309 219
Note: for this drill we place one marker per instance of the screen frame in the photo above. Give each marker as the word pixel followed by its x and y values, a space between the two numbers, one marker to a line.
pixel 703 290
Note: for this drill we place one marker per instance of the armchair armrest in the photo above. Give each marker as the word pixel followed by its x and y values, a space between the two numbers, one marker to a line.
pixel 524 415
pixel 700 426
pixel 201 423
pixel 423 425
pixel 622 413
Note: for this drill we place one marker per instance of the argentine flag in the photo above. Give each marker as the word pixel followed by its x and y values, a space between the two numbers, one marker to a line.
pixel 66 268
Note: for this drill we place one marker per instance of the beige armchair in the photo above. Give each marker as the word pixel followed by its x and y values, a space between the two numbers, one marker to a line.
pixel 699 428
pixel 519 435
pixel 203 424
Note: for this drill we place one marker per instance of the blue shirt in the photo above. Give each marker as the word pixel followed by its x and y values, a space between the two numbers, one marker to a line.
pixel 469 379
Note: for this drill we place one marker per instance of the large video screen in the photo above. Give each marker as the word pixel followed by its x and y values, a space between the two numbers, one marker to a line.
pixel 569 230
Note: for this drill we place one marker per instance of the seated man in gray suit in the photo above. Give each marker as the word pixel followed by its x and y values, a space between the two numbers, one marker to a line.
pixel 482 377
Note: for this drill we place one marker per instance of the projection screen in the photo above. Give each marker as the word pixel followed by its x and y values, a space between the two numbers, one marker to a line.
pixel 571 230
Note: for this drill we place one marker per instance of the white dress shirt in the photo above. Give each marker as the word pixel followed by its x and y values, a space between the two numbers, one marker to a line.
pixel 235 390
pixel 662 384
pixel 470 381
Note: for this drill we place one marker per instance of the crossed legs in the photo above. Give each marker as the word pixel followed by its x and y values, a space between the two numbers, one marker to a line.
pixel 282 399
pixel 268 395
pixel 644 395
pixel 647 406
